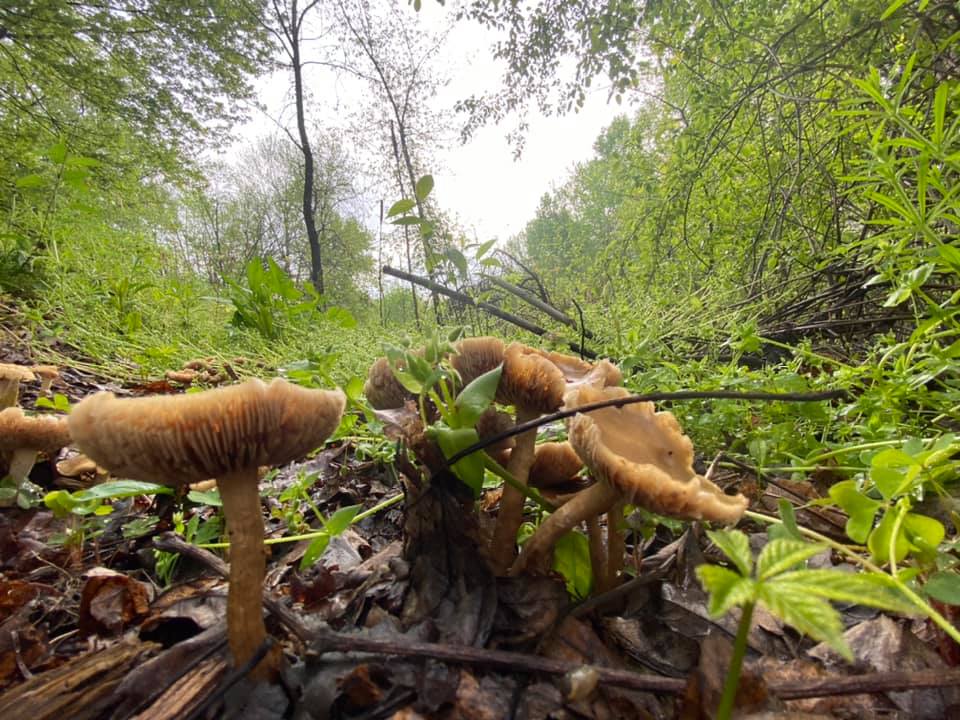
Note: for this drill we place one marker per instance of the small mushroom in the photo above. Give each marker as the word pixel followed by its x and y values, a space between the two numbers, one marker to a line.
pixel 637 456
pixel 382 389
pixel 580 372
pixel 10 378
pixel 224 433
pixel 534 386
pixel 47 373
pixel 554 463
pixel 23 436
pixel 183 377
pixel 493 422
pixel 78 465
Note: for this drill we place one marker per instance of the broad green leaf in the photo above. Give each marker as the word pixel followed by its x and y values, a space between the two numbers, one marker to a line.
pixel 476 397
pixel 888 480
pixel 571 558
pixel 870 589
pixel 341 316
pixel 30 181
pixel 457 258
pixel 925 533
pixel 860 509
pixel 944 586
pixel 736 546
pixel 484 248
pixel 727 589
pixel 806 613
pixel 354 388
pixel 122 489
pixel 780 555
pixel 898 296
pixel 424 186
pixel 879 540
pixel 400 207
pixel 314 551
pixel 57 153
pixel 469 469
pixel 341 519
pixel 210 497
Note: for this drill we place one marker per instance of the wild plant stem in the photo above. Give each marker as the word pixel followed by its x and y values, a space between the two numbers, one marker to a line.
pixel 921 604
pixel 725 708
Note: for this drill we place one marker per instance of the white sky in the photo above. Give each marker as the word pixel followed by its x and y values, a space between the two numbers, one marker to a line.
pixel 480 183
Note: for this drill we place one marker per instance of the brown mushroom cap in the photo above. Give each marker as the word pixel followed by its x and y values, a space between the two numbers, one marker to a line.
pixel 576 371
pixel 647 458
pixel 476 356
pixel 40 433
pixel 530 380
pixel 554 463
pixel 187 438
pixel 382 389
pixel 10 378
pixel 184 377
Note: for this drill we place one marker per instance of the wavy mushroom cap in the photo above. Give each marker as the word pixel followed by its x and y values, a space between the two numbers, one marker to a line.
pixel 186 438
pixel 646 456
pixel 530 380
pixel 476 356
pixel 18 373
pixel 554 463
pixel 45 433
pixel 382 389
pixel 580 372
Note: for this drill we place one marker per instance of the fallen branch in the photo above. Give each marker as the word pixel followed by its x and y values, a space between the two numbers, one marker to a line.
pixel 539 304
pixel 487 307
pixel 330 641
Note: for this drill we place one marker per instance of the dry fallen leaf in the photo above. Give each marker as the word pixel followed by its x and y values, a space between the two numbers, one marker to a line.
pixel 111 601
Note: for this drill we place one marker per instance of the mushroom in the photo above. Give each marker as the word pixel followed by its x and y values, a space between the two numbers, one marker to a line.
pixel 476 356
pixel 47 373
pixel 382 389
pixel 77 466
pixel 637 456
pixel 534 386
pixel 579 372
pixel 224 433
pixel 10 378
pixel 554 463
pixel 493 422
pixel 23 436
pixel 183 377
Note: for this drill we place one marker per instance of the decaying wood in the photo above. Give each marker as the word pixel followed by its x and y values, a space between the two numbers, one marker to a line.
pixel 82 688
pixel 487 307
pixel 539 304
pixel 188 693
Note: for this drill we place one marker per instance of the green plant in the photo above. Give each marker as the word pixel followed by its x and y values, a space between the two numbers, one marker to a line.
pixel 197 530
pixel 796 595
pixel 269 300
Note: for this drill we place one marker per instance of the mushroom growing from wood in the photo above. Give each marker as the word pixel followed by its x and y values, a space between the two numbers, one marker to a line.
pixel 637 456
pixel 225 433
pixel 10 378
pixel 23 436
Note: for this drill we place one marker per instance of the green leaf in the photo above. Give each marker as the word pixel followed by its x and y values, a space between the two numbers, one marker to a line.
pixel 944 586
pixel 470 468
pixel 314 551
pixel 860 509
pixel 342 317
pixel 789 518
pixel 476 397
pixel 736 546
pixel 571 558
pixel 925 533
pixel 30 181
pixel 401 206
pixel 210 497
pixel 457 258
pixel 806 613
pixel 354 388
pixel 57 153
pixel 341 519
pixel 869 589
pixel 121 489
pixel 424 186
pixel 879 540
pixel 727 589
pixel 484 248
pixel 898 296
pixel 780 555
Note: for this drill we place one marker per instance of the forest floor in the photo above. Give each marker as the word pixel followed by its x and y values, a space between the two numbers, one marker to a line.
pixel 400 617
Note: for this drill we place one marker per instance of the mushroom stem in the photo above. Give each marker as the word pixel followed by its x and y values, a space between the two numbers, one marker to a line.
pixel 245 629
pixel 588 503
pixel 22 461
pixel 9 393
pixel 598 557
pixel 616 547
pixel 510 516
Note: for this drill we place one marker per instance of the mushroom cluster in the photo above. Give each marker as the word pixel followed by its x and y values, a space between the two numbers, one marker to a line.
pixel 226 433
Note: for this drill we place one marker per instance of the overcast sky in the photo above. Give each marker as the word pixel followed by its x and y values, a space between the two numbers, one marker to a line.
pixel 480 183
